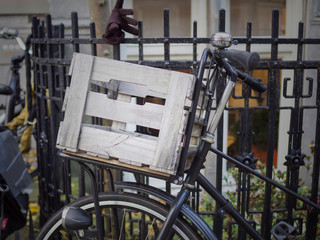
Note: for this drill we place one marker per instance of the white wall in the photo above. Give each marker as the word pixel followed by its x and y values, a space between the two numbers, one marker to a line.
pixel 289 52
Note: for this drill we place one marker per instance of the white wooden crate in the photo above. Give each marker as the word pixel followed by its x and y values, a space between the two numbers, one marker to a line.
pixel 127 80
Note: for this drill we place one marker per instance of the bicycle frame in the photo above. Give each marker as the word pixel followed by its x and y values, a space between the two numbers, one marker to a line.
pixel 188 185
pixel 14 98
pixel 178 204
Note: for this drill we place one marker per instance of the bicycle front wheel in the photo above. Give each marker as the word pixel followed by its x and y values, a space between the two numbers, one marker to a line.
pixel 125 216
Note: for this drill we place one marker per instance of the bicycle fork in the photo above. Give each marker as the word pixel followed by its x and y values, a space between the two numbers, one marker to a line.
pixel 197 163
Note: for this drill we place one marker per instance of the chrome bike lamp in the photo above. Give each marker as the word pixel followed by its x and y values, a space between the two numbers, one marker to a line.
pixel 221 40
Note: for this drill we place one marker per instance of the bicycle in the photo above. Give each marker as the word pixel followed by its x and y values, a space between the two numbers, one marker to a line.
pixel 19 114
pixel 155 213
pixel 15 102
pixel 14 176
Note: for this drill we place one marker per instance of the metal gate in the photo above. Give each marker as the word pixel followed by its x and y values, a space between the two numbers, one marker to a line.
pixel 51 60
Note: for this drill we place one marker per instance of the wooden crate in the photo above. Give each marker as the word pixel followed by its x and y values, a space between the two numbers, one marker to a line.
pixel 125 81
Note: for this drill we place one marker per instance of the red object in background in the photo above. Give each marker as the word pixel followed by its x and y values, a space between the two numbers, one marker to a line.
pixel 4 223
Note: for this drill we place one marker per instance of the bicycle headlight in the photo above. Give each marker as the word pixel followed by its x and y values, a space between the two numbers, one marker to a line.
pixel 221 40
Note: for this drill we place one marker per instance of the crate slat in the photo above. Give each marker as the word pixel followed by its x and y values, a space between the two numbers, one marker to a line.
pixel 121 145
pixel 126 88
pixel 70 129
pixel 147 115
pixel 174 119
pixel 157 80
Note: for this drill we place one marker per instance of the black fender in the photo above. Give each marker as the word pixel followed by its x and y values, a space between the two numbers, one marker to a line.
pixel 196 220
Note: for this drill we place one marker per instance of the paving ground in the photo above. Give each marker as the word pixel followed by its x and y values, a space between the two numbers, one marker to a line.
pixel 23 234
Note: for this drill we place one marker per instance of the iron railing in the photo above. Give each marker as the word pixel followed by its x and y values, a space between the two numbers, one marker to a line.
pixel 51 62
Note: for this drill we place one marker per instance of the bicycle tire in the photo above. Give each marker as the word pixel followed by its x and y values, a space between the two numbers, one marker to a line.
pixel 128 203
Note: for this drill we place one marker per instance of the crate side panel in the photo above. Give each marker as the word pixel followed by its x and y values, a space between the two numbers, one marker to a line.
pixel 173 120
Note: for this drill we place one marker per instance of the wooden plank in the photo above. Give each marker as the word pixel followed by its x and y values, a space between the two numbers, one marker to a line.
pixel 107 69
pixel 65 100
pixel 138 90
pixel 135 90
pixel 191 80
pixel 184 122
pixel 116 163
pixel 117 145
pixel 116 124
pixel 71 65
pixel 157 80
pixel 120 131
pixel 196 130
pixel 147 115
pixel 70 130
pixel 130 162
pixel 173 119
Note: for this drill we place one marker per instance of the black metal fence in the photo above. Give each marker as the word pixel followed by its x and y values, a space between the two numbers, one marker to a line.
pixel 56 176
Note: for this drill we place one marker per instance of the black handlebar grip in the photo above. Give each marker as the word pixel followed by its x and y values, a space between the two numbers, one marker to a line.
pixel 245 59
pixel 254 83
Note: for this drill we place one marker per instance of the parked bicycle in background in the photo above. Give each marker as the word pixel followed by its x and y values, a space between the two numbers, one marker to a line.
pixel 18 115
pixel 16 124
pixel 15 100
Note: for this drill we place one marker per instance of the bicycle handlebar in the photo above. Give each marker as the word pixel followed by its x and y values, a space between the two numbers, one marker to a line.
pixel 8 33
pixel 245 59
pixel 254 83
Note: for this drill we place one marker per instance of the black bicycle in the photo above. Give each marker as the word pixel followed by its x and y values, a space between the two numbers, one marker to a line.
pixel 15 100
pixel 137 211
pixel 15 178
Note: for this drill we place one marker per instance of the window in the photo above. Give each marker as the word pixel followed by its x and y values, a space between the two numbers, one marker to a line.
pixel 151 13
